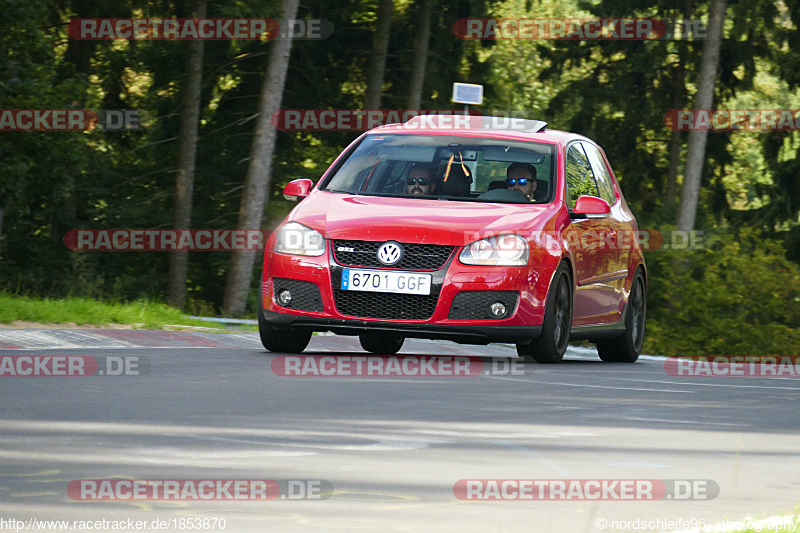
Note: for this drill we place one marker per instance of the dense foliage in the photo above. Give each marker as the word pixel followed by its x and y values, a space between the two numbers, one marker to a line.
pixel 739 295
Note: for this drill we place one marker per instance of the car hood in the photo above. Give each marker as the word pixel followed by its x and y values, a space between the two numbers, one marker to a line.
pixel 374 218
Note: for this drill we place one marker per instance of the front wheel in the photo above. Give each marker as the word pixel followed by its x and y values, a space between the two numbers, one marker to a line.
pixel 381 343
pixel 552 342
pixel 282 340
pixel 627 347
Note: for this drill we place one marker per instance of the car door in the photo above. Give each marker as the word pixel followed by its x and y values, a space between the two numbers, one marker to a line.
pixel 589 239
pixel 619 226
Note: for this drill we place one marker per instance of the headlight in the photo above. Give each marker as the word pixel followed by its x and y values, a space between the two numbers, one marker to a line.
pixel 502 250
pixel 297 239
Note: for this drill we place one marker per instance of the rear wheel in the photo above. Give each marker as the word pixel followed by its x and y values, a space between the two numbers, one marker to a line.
pixel 552 342
pixel 381 343
pixel 627 347
pixel 282 340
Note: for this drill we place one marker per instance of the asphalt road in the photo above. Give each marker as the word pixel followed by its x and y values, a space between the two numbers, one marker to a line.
pixel 391 448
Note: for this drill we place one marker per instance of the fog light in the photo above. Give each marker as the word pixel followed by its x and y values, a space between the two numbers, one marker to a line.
pixel 285 297
pixel 498 309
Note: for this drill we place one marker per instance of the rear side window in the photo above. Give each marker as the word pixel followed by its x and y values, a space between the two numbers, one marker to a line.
pixel 601 173
pixel 580 179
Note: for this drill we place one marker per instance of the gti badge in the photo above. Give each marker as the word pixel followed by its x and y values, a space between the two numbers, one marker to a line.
pixel 390 253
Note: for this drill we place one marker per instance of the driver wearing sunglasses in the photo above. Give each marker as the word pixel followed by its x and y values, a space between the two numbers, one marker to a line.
pixel 521 177
pixel 420 180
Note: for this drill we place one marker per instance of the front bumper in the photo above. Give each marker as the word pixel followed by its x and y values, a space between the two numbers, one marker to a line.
pixel 522 324
pixel 466 334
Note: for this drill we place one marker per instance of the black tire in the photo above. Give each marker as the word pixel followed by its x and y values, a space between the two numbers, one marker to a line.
pixel 381 343
pixel 552 343
pixel 627 347
pixel 282 340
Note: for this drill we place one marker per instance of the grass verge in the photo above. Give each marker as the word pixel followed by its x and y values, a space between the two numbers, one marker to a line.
pixel 85 311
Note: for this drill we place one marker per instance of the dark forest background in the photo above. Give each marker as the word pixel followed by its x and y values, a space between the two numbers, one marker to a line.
pixel 738 295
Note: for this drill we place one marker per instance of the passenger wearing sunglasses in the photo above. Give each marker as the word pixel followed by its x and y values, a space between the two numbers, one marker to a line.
pixel 420 180
pixel 521 177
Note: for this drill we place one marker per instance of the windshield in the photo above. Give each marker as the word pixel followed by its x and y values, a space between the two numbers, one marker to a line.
pixel 447 167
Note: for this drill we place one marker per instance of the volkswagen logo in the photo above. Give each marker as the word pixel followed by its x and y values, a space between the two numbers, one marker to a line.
pixel 390 253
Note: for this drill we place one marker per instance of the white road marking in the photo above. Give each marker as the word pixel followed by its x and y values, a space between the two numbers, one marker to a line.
pixel 666 420
pixel 726 385
pixel 593 386
pixel 381 445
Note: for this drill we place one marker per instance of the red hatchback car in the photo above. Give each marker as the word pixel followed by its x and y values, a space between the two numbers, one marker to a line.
pixel 472 229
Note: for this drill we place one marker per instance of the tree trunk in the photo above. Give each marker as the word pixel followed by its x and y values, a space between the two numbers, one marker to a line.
pixel 380 49
pixel 678 88
pixel 674 162
pixel 695 157
pixel 257 182
pixel 420 56
pixel 79 52
pixel 187 150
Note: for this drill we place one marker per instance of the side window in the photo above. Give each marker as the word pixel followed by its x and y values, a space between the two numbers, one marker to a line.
pixel 580 180
pixel 601 173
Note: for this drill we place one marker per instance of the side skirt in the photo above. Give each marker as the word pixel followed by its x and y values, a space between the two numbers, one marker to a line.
pixel 600 331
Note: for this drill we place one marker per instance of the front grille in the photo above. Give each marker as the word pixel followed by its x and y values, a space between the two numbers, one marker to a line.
pixel 415 256
pixel 385 305
pixel 474 305
pixel 305 295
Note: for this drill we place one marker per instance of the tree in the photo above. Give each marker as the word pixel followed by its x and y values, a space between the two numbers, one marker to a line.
pixel 380 50
pixel 695 157
pixel 187 150
pixel 678 99
pixel 257 181
pixel 421 41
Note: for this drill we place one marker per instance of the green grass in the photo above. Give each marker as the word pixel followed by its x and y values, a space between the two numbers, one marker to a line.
pixel 85 311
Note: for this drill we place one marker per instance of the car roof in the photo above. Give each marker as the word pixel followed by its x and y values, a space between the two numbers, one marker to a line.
pixel 506 128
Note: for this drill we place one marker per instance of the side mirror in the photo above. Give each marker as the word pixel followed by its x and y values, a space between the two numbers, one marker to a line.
pixel 590 207
pixel 297 189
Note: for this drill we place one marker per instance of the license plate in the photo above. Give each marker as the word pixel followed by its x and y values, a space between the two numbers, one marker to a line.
pixel 381 281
